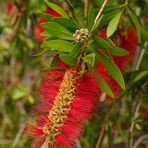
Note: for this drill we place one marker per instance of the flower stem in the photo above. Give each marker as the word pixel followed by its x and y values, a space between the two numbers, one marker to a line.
pixel 131 134
pixel 102 130
pixel 104 125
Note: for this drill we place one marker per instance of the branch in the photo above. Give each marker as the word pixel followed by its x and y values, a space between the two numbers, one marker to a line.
pixel 82 51
pixel 141 56
pixel 86 4
pixel 142 138
pixel 104 125
pixel 126 2
pixel 100 12
pixel 102 130
pixel 134 122
pixel 18 136
pixel 78 144
pixel 96 19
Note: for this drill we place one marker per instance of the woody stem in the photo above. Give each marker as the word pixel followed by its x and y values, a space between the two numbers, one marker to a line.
pixel 100 11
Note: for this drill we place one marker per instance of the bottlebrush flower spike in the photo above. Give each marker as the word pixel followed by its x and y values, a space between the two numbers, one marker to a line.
pixel 67 101
pixel 129 44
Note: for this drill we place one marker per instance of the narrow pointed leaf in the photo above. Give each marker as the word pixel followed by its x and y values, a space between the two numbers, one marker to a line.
pixel 60 45
pixel 41 53
pixel 57 9
pixel 136 22
pixel 105 87
pixel 90 59
pixel 140 75
pixel 46 16
pixel 112 26
pixel 67 23
pixel 57 30
pixel 68 59
pixel 111 68
pixel 52 26
pixel 76 49
pixel 95 27
pixel 91 17
pixel 107 45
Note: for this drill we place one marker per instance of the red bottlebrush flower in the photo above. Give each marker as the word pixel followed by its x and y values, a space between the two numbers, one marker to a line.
pixel 11 8
pixel 67 101
pixel 129 44
pixel 39 29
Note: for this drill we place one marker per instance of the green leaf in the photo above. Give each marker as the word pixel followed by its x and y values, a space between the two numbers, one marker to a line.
pixel 95 27
pixel 67 23
pixel 76 49
pixel 91 17
pixel 46 34
pixel 104 86
pixel 57 9
pixel 68 59
pixel 31 100
pixel 144 33
pixel 136 22
pixel 111 68
pixel 41 53
pixel 19 91
pixel 140 75
pixel 57 30
pixel 112 26
pixel 48 26
pixel 112 7
pixel 118 51
pixel 102 43
pixel 46 16
pixel 107 45
pixel 90 59
pixel 27 41
pixel 60 45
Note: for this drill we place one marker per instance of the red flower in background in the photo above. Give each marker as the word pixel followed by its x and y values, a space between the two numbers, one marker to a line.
pixel 39 29
pixel 67 101
pixel 130 45
pixel 11 8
